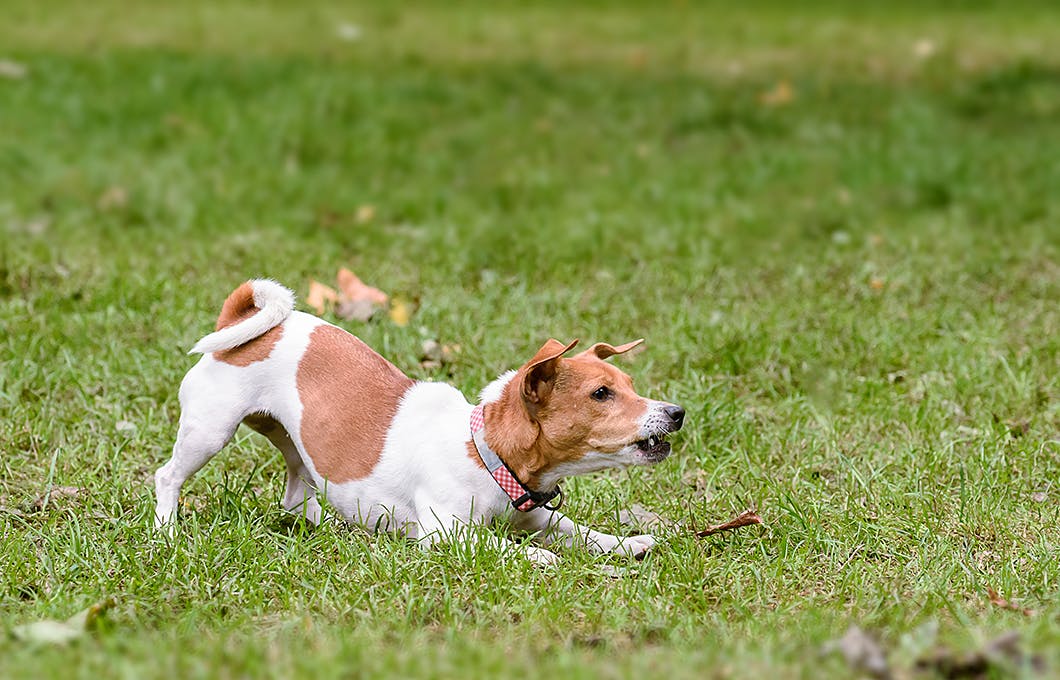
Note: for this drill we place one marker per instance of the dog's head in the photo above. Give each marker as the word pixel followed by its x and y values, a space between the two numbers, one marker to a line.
pixel 560 416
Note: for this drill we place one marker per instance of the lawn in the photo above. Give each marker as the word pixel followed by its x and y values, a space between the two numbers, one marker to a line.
pixel 837 228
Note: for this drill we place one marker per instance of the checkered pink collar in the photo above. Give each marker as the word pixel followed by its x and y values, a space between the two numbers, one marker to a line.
pixel 523 498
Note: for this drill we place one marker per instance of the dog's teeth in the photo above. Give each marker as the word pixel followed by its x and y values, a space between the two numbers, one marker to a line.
pixel 652 440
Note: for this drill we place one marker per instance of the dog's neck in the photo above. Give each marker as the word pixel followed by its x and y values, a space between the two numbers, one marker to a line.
pixel 513 436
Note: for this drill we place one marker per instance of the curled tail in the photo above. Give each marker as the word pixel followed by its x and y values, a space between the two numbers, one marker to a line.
pixel 251 310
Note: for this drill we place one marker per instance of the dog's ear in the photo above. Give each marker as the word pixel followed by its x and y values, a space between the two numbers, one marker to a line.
pixel 602 350
pixel 539 373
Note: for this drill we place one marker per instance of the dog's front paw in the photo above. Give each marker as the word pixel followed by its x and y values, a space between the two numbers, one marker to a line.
pixel 541 557
pixel 635 546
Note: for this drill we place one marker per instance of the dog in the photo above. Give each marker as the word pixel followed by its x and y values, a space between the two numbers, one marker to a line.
pixel 411 457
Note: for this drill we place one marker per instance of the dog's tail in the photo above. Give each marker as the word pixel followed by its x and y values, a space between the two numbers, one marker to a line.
pixel 251 310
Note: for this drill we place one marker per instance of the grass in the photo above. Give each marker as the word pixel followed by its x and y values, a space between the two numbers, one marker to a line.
pixel 852 289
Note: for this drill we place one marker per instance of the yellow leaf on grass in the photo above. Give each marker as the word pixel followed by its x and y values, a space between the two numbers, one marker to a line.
pixel 781 94
pixel 365 214
pixel 320 296
pixel 924 48
pixel 400 312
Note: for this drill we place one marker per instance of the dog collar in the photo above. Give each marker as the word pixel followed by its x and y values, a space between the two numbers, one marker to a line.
pixel 523 498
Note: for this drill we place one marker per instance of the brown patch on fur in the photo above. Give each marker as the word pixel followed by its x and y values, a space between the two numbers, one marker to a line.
pixel 350 396
pixel 257 349
pixel 565 422
pixel 472 453
pixel 239 306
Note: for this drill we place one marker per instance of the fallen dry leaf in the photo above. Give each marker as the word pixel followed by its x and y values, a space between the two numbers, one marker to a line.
pixel 352 288
pixel 782 93
pixel 320 296
pixel 639 518
pixel 637 58
pixel 348 32
pixel 326 217
pixel 39 225
pixel 435 355
pixel 1002 603
pixel 12 69
pixel 354 300
pixel 700 480
pixel 877 283
pixel 744 519
pixel 176 121
pixel 62 632
pixel 47 632
pixel 995 655
pixel 114 198
pixel 924 48
pixel 356 310
pixel 53 493
pixel 432 351
pixel 861 652
pixel 1017 427
pixel 365 213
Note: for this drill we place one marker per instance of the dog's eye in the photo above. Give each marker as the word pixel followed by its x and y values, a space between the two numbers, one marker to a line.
pixel 602 394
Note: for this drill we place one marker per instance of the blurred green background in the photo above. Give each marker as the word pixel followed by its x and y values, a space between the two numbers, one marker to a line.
pixel 835 224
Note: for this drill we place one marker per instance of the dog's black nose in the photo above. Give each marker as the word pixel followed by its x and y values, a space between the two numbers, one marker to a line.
pixel 677 415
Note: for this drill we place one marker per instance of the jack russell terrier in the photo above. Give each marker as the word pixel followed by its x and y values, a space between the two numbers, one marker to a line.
pixel 413 457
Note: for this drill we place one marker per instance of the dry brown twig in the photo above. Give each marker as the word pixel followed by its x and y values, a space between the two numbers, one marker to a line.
pixel 744 519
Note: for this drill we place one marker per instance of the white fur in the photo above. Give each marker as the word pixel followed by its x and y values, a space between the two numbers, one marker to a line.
pixel 425 485
pixel 495 389
pixel 655 420
pixel 274 303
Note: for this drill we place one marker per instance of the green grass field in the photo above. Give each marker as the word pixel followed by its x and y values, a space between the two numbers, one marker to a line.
pixel 838 230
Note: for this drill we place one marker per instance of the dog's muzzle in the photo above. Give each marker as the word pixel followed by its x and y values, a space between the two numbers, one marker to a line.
pixel 655 447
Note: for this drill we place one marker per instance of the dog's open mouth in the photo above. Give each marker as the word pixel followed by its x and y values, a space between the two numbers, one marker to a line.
pixel 654 448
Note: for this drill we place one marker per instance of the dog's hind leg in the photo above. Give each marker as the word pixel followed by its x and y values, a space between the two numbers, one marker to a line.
pixel 300 497
pixel 207 423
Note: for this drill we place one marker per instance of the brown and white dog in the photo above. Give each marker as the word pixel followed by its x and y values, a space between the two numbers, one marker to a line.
pixel 414 457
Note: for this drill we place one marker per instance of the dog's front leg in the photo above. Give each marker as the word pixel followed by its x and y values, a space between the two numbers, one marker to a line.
pixel 554 528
